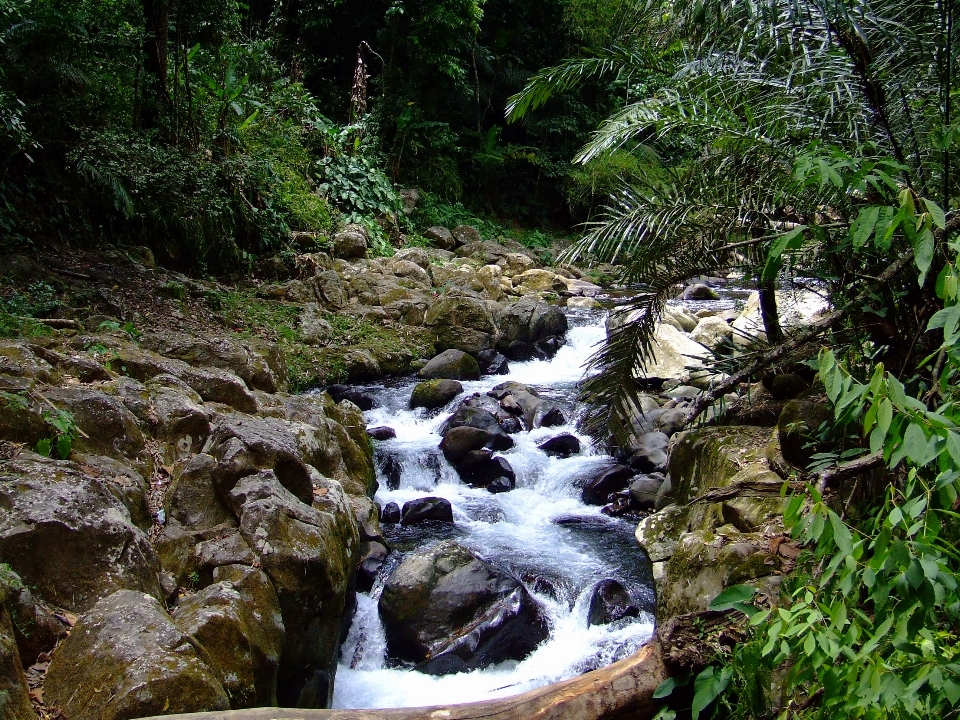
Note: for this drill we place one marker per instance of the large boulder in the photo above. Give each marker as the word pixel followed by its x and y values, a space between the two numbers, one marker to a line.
pixel 712 331
pixel 69 536
pixel 446 608
pixel 428 509
pixel 109 428
pixel 310 555
pixel 261 365
pixel 462 321
pixel 14 693
pixel 440 237
pixel 192 500
pixel 127 659
pixel 451 365
pixel 237 620
pixel 606 480
pixel 526 323
pixel 351 243
pixel 433 394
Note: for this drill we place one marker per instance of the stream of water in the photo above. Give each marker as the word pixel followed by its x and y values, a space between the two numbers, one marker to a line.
pixel 517 530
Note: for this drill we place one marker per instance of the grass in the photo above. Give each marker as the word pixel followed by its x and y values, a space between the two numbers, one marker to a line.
pixel 253 316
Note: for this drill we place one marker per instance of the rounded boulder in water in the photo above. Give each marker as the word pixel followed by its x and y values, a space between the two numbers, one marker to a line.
pixel 609 602
pixel 426 509
pixel 390 514
pixel 644 489
pixel 339 393
pixel 382 433
pixel 501 485
pixel 451 365
pixel 433 394
pixel 562 446
pixel 607 481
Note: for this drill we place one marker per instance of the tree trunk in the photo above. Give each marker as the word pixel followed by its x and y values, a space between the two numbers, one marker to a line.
pixel 769 313
pixel 623 690
pixel 156 95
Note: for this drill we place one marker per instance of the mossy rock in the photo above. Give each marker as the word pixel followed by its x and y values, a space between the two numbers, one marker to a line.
pixel 708 458
pixel 433 394
pixel 704 563
pixel 14 692
pixel 797 428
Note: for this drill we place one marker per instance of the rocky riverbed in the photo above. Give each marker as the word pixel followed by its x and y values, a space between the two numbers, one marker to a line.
pixel 190 536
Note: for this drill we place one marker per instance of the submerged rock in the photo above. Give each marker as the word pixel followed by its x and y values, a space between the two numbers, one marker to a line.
pixel 562 446
pixel 452 612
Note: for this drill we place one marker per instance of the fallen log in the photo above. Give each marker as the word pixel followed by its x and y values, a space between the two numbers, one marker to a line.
pixel 622 690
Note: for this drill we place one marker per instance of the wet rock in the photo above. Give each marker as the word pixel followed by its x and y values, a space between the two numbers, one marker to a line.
pixel 459 441
pixel 391 514
pixel 607 480
pixel 126 659
pixel 451 365
pixel 700 292
pixel 426 509
pixel 562 446
pixel 339 393
pixel 475 417
pixel 433 394
pixel 237 621
pixel 68 536
pixel 372 557
pixel 501 485
pixel 382 433
pixel 309 554
pixel 392 468
pixel 440 237
pixel 548 415
pixel 511 425
pixel 649 453
pixel 609 602
pixel 485 469
pixel 350 243
pixel 530 321
pixel 493 363
pixel 457 612
pixel 584 521
pixel 644 489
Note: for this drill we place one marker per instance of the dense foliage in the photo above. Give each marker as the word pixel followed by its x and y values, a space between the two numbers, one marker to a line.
pixel 211 130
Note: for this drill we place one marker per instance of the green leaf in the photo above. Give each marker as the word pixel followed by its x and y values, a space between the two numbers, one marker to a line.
pixel 44 447
pixel 708 685
pixel 923 250
pixel 665 688
pixel 936 213
pixel 863 226
pixel 841 534
pixel 64 445
pixel 732 596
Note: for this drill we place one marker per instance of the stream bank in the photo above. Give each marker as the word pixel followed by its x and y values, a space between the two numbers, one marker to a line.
pixel 197 495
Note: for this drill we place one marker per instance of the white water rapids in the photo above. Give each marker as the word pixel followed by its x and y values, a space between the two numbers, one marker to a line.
pixel 516 530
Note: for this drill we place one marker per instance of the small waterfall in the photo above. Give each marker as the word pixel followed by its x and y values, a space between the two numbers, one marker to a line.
pixel 559 563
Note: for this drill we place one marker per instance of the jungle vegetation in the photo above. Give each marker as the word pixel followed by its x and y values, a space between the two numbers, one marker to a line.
pixel 815 141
